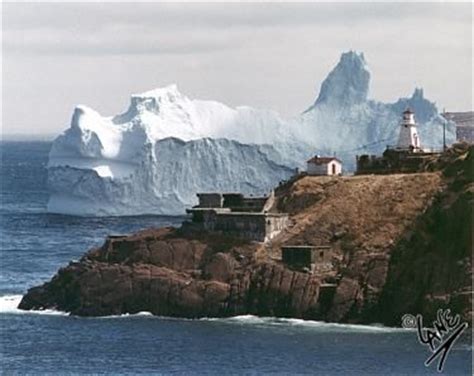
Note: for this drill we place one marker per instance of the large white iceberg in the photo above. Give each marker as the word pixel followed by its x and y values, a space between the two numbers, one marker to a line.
pixel 165 148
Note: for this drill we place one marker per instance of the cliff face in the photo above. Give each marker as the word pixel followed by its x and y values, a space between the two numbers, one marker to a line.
pixel 431 265
pixel 362 218
pixel 400 244
pixel 173 273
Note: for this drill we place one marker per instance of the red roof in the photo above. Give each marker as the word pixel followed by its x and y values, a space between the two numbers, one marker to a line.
pixel 322 160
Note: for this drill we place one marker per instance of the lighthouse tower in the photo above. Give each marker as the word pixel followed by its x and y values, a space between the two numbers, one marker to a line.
pixel 408 139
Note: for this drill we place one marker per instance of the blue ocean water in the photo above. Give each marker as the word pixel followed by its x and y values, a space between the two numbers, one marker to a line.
pixel 34 244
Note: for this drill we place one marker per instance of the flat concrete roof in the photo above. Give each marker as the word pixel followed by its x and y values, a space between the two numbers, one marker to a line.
pixel 327 285
pixel 255 214
pixel 209 209
pixel 116 236
pixel 306 246
pixel 228 212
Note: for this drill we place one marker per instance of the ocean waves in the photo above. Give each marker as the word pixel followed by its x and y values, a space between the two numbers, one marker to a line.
pixel 304 324
pixel 9 305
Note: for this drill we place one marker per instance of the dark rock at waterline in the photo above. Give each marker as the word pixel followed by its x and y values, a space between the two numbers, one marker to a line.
pixel 401 244
pixel 166 274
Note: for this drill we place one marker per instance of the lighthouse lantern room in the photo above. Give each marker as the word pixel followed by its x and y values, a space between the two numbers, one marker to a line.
pixel 408 139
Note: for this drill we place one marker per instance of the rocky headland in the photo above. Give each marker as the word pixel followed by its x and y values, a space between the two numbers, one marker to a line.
pixel 400 244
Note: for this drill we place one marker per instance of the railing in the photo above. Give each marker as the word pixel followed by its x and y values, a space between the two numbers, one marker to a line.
pixel 422 149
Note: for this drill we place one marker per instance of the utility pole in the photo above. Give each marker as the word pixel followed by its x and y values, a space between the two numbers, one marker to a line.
pixel 444 129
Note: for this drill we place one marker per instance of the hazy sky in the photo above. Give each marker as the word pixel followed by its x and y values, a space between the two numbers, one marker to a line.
pixel 264 55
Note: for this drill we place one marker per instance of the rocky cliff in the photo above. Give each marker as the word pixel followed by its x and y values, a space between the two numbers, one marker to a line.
pixel 400 244
pixel 175 273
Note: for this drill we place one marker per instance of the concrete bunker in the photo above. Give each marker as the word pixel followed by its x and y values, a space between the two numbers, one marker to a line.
pixel 236 215
pixel 307 257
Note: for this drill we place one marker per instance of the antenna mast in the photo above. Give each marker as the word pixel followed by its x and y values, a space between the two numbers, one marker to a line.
pixel 444 129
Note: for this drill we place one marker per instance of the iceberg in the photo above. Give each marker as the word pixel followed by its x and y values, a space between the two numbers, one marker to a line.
pixel 166 147
pixel 344 121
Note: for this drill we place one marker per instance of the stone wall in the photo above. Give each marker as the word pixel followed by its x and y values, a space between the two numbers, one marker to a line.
pixel 238 203
pixel 259 227
pixel 238 216
pixel 392 161
pixel 210 200
pixel 314 258
pixel 275 223
pixel 233 201
pixel 246 226
pixel 298 256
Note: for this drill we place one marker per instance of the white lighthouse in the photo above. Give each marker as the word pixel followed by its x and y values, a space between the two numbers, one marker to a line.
pixel 408 139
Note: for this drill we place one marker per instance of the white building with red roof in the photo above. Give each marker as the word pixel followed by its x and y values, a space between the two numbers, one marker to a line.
pixel 324 166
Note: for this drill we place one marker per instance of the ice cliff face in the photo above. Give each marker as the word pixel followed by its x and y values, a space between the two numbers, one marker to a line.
pixel 164 179
pixel 165 148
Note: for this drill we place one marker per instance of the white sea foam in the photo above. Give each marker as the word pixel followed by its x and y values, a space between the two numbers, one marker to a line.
pixel 126 315
pixel 9 304
pixel 252 320
pixel 288 322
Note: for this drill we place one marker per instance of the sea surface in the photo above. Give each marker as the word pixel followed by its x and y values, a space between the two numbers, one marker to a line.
pixel 34 244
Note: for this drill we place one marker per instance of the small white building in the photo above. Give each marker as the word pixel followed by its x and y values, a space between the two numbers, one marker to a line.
pixel 324 166
pixel 408 138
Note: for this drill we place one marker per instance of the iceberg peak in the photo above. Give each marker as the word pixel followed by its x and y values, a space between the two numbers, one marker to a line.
pixel 424 109
pixel 169 91
pixel 348 83
pixel 152 101
pixel 418 93
pixel 84 117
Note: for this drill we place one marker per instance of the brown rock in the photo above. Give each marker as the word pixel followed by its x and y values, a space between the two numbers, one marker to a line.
pixel 402 243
